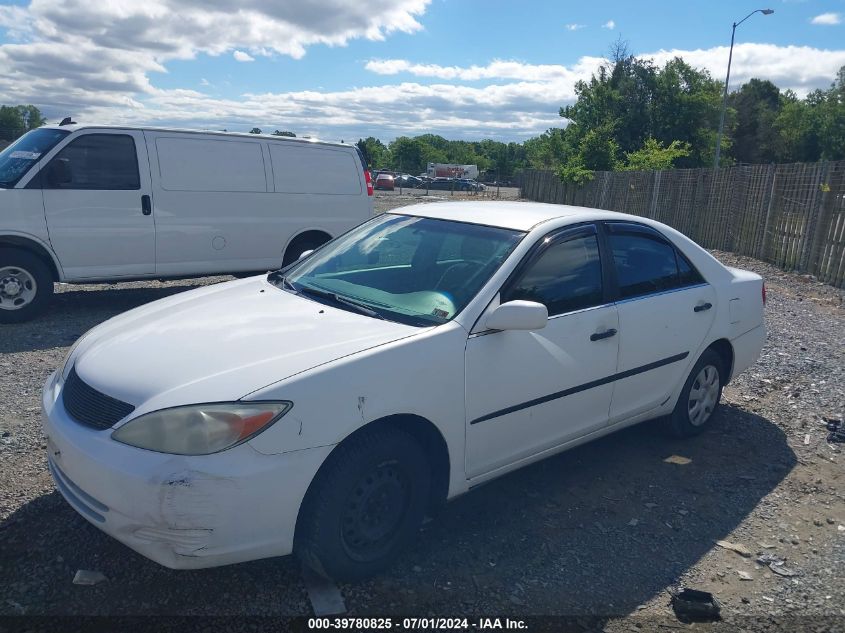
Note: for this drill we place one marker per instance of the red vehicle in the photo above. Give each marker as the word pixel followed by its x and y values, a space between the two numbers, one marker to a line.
pixel 384 181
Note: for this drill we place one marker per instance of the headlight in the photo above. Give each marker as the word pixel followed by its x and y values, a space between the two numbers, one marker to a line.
pixel 200 429
pixel 66 364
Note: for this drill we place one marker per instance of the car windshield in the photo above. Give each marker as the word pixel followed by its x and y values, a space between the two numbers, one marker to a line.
pixel 16 159
pixel 418 271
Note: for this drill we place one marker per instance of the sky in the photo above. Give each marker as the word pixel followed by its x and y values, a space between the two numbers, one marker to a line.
pixel 346 69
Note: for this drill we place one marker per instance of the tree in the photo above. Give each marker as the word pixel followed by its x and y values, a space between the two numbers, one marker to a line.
pixel 17 120
pixel 406 154
pixel 255 130
pixel 654 156
pixel 757 105
pixel 373 151
pixel 282 133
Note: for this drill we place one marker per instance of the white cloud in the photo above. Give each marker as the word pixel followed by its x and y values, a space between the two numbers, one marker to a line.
pixel 67 62
pixel 204 82
pixel 497 69
pixel 610 25
pixel 240 56
pixel 574 27
pixel 827 19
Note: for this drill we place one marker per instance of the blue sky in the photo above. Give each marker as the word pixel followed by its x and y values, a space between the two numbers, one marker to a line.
pixel 345 69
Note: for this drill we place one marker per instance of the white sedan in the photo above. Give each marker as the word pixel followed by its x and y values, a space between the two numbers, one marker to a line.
pixel 326 408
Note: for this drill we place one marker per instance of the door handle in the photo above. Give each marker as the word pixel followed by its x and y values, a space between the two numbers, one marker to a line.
pixel 702 307
pixel 600 335
pixel 146 205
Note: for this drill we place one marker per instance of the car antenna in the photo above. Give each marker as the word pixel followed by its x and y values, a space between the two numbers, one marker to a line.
pixel 67 121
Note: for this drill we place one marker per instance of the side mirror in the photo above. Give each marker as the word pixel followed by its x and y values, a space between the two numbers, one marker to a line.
pixel 518 315
pixel 306 254
pixel 58 173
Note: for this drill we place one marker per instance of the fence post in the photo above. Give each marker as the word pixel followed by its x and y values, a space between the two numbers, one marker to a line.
pixel 821 214
pixel 655 188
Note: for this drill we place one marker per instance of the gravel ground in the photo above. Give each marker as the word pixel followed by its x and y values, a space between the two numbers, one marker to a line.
pixel 603 530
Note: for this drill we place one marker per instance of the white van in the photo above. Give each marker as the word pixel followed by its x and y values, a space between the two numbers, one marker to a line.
pixel 83 203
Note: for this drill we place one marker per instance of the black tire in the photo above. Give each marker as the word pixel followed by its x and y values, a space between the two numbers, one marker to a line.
pixel 683 422
pixel 300 245
pixel 23 270
pixel 365 504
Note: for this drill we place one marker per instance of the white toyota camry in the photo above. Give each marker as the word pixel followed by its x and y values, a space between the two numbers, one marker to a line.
pixel 326 408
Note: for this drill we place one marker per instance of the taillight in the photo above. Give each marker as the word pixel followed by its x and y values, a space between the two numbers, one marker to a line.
pixel 764 293
pixel 369 180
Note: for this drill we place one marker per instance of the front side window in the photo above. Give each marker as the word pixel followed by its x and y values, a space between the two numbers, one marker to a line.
pixel 646 263
pixel 419 271
pixel 21 155
pixel 565 277
pixel 95 161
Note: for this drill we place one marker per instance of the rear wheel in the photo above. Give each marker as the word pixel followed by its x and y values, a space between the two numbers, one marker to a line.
pixel 26 285
pixel 301 244
pixel 698 403
pixel 365 504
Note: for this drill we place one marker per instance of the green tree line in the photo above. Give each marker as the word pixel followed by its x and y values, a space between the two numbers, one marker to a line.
pixel 16 120
pixel 635 115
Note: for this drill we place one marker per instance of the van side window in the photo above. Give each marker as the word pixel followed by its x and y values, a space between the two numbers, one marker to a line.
pixel 95 161
pixel 565 277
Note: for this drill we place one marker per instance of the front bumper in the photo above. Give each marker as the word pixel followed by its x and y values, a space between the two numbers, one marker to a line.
pixel 184 512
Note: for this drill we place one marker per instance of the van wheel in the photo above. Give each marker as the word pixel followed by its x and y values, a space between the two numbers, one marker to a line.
pixel 364 505
pixel 302 243
pixel 26 285
pixel 698 403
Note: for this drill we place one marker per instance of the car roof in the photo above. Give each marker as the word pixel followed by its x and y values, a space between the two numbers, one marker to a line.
pixel 520 216
pixel 73 127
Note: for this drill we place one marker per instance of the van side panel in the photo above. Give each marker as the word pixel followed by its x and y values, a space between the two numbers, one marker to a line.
pixel 216 205
pixel 320 170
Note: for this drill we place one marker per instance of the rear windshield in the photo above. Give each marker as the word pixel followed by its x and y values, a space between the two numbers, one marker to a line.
pixel 16 159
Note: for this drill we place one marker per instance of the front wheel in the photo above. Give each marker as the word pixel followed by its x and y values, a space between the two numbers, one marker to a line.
pixel 365 504
pixel 26 285
pixel 698 403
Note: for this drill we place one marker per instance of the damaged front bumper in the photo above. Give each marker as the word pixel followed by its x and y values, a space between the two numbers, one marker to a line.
pixel 184 512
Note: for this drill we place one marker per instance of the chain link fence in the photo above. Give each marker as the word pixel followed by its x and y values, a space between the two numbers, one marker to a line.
pixel 790 215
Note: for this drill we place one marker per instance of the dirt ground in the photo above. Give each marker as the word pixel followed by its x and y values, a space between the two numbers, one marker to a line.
pixel 601 532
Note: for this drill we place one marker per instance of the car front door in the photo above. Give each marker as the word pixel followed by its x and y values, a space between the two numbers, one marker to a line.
pixel 527 392
pixel 97 202
pixel 666 310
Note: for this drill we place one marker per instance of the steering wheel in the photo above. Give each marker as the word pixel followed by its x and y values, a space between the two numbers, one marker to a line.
pixel 455 267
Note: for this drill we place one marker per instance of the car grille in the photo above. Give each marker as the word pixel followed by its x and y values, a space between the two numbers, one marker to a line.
pixel 88 406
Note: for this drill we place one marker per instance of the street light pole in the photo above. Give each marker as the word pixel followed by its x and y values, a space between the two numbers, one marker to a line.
pixel 727 79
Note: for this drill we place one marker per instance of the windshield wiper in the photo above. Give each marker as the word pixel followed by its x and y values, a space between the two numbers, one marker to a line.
pixel 280 280
pixel 325 294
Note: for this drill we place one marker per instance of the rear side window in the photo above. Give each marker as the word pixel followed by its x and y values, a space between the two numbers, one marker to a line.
pixel 646 263
pixel 213 165
pixel 565 277
pixel 95 161
pixel 303 168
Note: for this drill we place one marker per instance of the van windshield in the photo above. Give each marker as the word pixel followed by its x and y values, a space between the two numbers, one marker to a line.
pixel 16 159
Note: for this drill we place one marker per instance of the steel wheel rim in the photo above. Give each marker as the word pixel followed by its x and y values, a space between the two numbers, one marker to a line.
pixel 17 288
pixel 376 508
pixel 703 395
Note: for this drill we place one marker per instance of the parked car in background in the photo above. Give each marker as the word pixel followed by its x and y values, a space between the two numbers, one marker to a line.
pixel 384 182
pixel 84 203
pixel 409 182
pixel 328 407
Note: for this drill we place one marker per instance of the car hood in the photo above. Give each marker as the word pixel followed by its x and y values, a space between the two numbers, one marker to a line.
pixel 221 343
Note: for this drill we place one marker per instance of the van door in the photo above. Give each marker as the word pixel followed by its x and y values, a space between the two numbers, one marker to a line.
pixel 213 211
pixel 97 202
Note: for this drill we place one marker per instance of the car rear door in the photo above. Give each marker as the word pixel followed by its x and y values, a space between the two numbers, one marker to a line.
pixel 666 309
pixel 96 191
pixel 531 391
